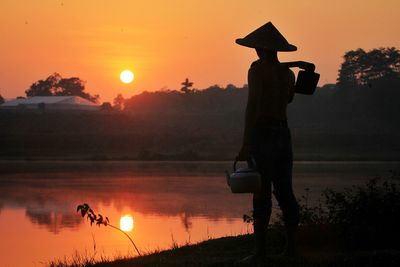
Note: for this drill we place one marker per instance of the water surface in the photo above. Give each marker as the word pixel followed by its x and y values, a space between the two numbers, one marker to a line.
pixel 171 203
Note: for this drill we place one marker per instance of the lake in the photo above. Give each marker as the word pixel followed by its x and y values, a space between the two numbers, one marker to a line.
pixel 172 203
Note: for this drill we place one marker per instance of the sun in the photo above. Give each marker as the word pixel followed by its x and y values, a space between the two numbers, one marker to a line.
pixel 126 76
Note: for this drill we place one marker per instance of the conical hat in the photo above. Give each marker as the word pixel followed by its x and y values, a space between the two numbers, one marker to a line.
pixel 267 37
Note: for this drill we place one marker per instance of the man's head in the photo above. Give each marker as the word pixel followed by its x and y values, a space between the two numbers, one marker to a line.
pixel 266 54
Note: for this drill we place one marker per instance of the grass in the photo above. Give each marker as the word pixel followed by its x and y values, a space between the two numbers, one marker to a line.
pixel 317 247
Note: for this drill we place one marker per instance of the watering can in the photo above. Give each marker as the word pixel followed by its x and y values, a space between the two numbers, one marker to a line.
pixel 307 78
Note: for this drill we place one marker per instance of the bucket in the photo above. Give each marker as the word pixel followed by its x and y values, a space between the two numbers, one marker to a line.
pixel 306 82
pixel 244 180
pixel 307 78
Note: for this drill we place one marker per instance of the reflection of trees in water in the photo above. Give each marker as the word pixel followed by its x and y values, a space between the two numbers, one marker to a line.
pixel 160 195
pixel 52 220
pixel 186 221
pixel 50 198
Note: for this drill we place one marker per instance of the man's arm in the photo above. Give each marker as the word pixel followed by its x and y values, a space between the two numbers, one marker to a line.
pixel 252 110
pixel 292 82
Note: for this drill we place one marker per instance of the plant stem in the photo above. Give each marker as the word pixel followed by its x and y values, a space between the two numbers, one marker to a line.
pixel 133 243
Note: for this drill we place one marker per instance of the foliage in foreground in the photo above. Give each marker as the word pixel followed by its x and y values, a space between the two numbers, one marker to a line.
pixel 99 219
pixel 365 217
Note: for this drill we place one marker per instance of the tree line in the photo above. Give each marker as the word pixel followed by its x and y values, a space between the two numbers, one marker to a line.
pixel 369 68
pixel 356 118
pixel 360 70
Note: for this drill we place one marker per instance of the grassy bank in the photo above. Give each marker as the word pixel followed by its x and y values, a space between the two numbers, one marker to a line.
pixel 317 247
pixel 357 226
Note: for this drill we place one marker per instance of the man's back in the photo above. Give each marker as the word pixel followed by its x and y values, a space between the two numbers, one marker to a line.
pixel 273 85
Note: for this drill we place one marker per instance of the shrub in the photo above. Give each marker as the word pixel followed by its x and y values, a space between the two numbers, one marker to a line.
pixel 367 217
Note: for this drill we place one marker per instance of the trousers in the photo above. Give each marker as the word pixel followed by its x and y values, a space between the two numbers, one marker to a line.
pixel 271 149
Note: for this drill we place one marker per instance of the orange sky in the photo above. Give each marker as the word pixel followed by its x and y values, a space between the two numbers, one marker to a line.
pixel 164 42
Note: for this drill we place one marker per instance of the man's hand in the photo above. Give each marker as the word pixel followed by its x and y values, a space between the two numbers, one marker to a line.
pixel 244 153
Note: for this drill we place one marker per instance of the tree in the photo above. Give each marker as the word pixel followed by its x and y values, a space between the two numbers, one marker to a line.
pixel 361 68
pixel 350 68
pixel 47 87
pixel 119 102
pixel 1 99
pixel 186 86
pixel 55 85
pixel 230 87
pixel 383 63
pixel 106 106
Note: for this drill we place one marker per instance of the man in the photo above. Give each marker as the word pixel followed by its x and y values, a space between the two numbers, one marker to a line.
pixel 267 136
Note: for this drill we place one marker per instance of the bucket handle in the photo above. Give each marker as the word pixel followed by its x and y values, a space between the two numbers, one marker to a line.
pixel 227 178
pixel 300 64
pixel 251 162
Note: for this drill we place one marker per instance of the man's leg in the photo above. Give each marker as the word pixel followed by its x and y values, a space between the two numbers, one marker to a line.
pixel 283 192
pixel 261 214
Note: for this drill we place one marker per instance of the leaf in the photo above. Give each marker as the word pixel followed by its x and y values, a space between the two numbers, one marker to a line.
pixel 98 219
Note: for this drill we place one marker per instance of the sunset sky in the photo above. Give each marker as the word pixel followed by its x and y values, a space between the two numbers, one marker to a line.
pixel 163 42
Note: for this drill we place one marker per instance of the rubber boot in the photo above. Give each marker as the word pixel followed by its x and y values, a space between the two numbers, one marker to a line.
pixel 258 258
pixel 291 248
pixel 260 232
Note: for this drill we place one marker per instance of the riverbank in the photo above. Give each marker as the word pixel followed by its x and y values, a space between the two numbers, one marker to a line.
pixel 185 136
pixel 367 169
pixel 317 248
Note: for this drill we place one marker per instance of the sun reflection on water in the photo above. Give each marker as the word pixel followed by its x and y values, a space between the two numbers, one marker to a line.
pixel 126 223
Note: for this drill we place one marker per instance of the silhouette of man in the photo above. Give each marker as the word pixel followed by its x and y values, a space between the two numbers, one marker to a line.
pixel 267 136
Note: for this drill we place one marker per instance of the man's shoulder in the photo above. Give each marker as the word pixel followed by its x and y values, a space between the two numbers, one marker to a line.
pixel 256 64
pixel 256 68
